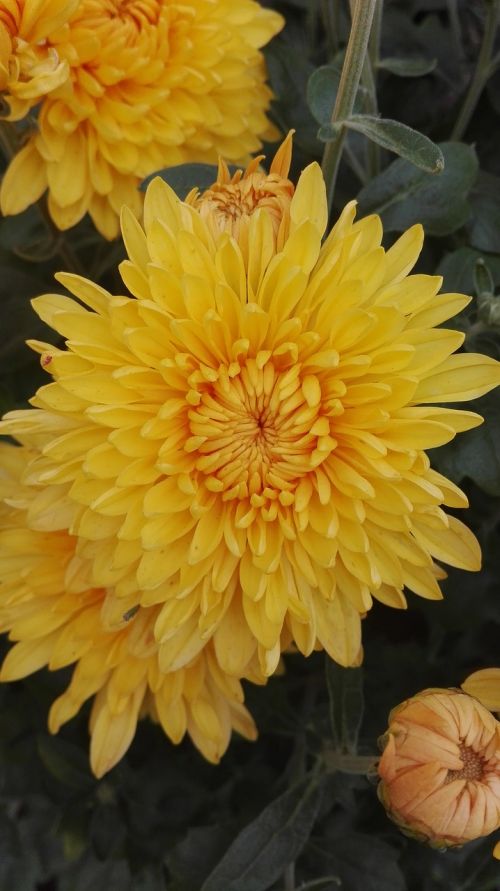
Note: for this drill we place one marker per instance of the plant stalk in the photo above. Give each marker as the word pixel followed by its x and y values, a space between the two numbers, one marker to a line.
pixel 9 145
pixel 331 20
pixel 289 877
pixel 348 87
pixel 482 72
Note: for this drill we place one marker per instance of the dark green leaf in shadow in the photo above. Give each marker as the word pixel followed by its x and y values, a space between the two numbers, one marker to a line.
pixel 66 762
pixel 484 224
pixel 415 66
pixel 194 858
pixel 263 849
pixel 184 177
pixel 403 195
pixel 400 139
pixel 322 88
pixel 458 267
pixel 475 454
pixel 361 862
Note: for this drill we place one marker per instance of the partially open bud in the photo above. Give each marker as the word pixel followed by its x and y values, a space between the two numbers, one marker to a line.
pixel 230 202
pixel 440 768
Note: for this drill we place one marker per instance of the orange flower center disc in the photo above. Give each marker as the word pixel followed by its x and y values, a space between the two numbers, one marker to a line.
pixel 473 766
pixel 258 430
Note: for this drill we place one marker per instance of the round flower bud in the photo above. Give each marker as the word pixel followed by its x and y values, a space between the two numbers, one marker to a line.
pixel 440 768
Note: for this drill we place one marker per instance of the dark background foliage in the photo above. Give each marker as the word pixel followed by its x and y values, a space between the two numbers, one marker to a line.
pixel 163 819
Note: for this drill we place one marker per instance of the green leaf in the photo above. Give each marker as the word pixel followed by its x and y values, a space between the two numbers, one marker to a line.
pixel 484 286
pixel 361 862
pixel 401 140
pixel 484 224
pixel 322 88
pixel 18 867
pixel 415 66
pixel 184 177
pixel 149 879
pixel 196 855
pixel 65 761
pixel 404 195
pixel 458 267
pixel 260 853
pixel 475 454
pixel 90 873
pixel 289 69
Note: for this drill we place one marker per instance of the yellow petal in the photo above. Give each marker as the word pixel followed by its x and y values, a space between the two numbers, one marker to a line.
pixel 27 167
pixel 309 201
pixel 485 686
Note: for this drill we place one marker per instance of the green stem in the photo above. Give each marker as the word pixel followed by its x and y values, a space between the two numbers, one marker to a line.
pixel 9 145
pixel 354 164
pixel 369 80
pixel 63 248
pixel 9 142
pixel 456 28
pixel 375 35
pixel 482 72
pixel 331 20
pixel 289 877
pixel 348 87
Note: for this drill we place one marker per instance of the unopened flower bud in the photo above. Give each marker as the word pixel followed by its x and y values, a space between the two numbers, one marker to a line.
pixel 440 768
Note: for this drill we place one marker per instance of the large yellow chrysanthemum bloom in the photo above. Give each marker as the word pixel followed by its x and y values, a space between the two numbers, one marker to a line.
pixel 241 444
pixel 30 67
pixel 58 619
pixel 152 83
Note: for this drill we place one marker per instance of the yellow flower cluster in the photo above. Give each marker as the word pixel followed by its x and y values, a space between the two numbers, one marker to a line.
pixel 128 87
pixel 232 460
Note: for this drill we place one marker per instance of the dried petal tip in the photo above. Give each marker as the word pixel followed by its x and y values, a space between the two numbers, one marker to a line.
pixel 440 769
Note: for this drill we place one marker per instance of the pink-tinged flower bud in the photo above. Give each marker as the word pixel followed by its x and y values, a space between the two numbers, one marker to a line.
pixel 440 768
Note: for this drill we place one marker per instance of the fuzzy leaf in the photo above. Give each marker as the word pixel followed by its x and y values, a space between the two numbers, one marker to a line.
pixel 395 137
pixel 415 66
pixel 322 88
pixel 184 177
pixel 404 195
pixel 260 853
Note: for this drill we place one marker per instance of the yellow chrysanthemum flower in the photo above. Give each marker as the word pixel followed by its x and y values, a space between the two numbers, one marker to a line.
pixel 30 67
pixel 57 619
pixel 241 444
pixel 152 83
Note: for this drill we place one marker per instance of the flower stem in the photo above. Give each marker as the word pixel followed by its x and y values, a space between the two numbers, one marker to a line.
pixel 482 73
pixel 9 145
pixel 456 29
pixel 62 246
pixel 289 877
pixel 348 87
pixel 8 140
pixel 331 20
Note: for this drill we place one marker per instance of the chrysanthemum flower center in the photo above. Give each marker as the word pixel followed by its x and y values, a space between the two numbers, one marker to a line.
pixel 257 430
pixel 473 766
